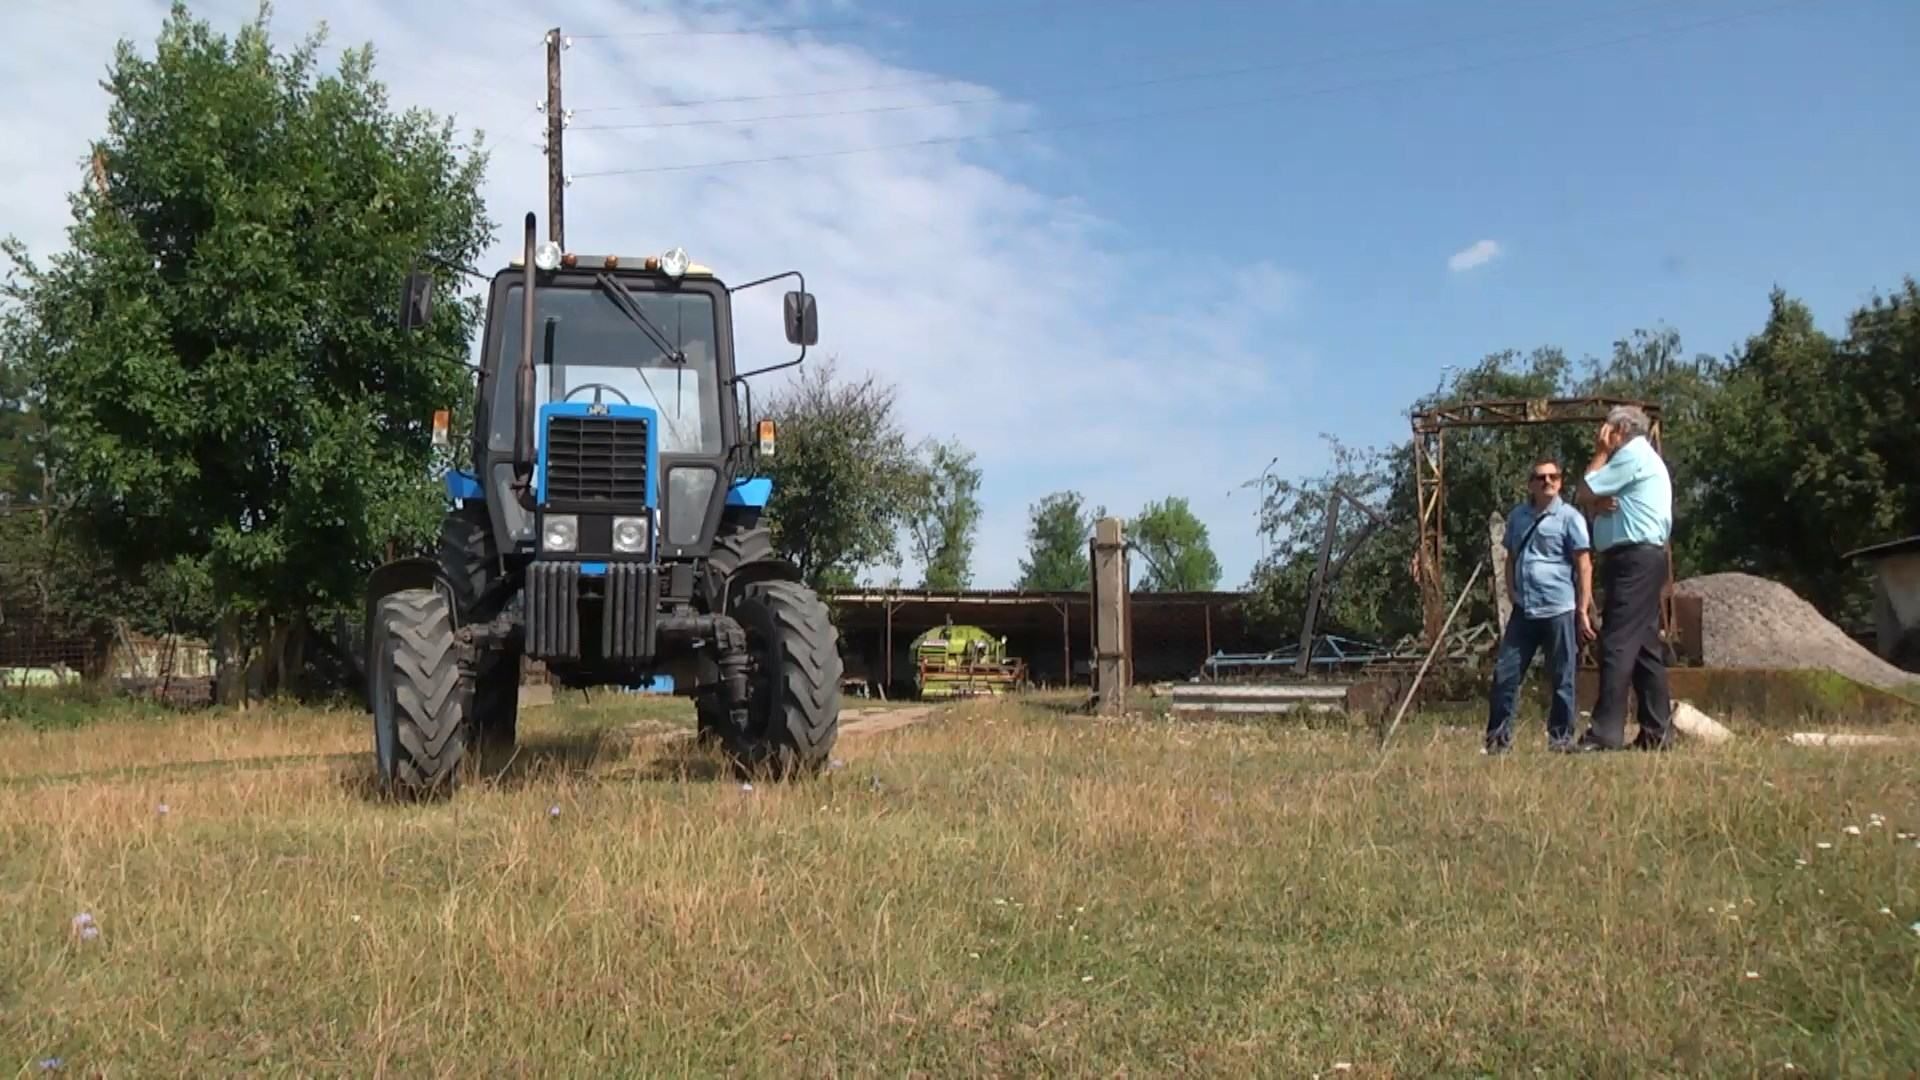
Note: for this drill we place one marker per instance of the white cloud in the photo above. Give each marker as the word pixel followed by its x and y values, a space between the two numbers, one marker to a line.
pixel 1012 317
pixel 1480 254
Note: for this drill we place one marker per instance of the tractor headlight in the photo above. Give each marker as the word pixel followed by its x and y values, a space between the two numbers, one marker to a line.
pixel 674 263
pixel 560 532
pixel 547 255
pixel 630 535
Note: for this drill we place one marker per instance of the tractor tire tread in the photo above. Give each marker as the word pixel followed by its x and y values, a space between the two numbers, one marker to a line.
pixel 429 703
pixel 467 554
pixel 805 723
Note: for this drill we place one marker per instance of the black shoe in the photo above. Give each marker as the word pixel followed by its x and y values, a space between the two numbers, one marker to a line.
pixel 1493 749
pixel 1651 745
pixel 1563 745
pixel 1587 744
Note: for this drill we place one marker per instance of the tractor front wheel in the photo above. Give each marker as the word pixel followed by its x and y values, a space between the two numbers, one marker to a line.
pixel 419 706
pixel 793 714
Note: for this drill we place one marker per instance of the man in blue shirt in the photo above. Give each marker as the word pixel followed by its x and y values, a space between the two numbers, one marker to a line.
pixel 1630 493
pixel 1550 581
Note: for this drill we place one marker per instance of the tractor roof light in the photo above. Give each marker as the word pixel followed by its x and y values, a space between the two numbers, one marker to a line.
pixel 547 256
pixel 674 263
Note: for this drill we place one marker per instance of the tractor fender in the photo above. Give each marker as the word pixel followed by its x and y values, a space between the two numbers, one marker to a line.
pixel 413 572
pixel 753 573
pixel 764 570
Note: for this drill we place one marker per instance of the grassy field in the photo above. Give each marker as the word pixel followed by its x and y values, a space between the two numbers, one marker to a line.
pixel 1001 890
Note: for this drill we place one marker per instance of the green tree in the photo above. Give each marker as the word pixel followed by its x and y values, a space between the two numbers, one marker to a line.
pixel 1373 596
pixel 234 406
pixel 844 476
pixel 1057 533
pixel 1810 448
pixel 1173 546
pixel 946 515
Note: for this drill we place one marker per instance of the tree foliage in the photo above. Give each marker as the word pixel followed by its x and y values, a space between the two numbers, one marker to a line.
pixel 1173 546
pixel 845 477
pixel 946 515
pixel 234 408
pixel 1371 596
pixel 1058 529
pixel 1812 444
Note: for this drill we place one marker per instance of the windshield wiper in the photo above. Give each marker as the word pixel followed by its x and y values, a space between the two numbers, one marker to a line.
pixel 623 300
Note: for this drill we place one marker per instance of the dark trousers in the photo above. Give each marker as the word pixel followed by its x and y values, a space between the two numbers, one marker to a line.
pixel 1523 637
pixel 1631 651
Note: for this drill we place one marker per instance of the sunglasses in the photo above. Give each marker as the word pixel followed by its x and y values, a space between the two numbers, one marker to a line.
pixel 1546 476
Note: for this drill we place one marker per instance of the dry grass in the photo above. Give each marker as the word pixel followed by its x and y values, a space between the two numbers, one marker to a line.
pixel 1004 890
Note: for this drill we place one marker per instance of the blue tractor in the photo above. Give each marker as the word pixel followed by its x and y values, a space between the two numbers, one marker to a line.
pixel 610 527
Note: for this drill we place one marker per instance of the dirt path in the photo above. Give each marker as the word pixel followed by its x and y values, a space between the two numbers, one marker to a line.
pixel 878 721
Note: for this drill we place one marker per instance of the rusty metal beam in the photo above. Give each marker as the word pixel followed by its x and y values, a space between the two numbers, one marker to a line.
pixel 1517 412
pixel 1429 476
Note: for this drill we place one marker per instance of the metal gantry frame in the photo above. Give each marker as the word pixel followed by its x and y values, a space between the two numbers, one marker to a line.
pixel 1430 478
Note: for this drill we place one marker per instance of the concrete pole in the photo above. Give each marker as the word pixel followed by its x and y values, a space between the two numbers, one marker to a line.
pixel 1497 552
pixel 1111 662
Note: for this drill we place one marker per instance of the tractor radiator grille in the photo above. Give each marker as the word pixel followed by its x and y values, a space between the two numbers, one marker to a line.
pixel 553 611
pixel 627 624
pixel 596 460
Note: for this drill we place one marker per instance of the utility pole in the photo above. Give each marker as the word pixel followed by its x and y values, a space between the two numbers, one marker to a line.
pixel 556 125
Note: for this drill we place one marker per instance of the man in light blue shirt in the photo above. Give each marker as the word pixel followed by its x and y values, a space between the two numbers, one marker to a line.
pixel 1630 493
pixel 1550 581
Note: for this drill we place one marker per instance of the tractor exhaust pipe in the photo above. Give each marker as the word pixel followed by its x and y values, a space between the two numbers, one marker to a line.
pixel 523 393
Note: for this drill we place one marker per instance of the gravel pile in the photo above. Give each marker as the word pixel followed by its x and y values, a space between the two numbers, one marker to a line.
pixel 1750 622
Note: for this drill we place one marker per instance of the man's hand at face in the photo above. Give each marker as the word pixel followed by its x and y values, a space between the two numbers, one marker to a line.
pixel 1603 440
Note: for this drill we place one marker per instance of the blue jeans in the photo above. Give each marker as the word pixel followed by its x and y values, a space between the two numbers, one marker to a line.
pixel 1523 638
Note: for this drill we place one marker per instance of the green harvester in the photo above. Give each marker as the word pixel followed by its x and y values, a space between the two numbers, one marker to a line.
pixel 964 661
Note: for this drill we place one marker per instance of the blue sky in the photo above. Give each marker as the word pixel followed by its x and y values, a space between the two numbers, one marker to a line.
pixel 1139 308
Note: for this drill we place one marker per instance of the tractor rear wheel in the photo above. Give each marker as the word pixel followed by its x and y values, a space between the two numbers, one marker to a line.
pixel 793 714
pixel 471 561
pixel 494 709
pixel 419 706
pixel 468 555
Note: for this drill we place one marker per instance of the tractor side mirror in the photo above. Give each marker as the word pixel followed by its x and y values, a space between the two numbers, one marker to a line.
pixel 416 301
pixel 803 320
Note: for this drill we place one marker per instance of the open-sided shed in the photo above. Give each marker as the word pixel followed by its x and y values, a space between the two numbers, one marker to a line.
pixel 1172 633
pixel 1896 599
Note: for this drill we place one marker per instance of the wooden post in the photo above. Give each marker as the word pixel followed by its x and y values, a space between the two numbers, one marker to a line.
pixel 1066 645
pixel 1302 665
pixel 556 124
pixel 1110 629
pixel 1206 615
pixel 1497 553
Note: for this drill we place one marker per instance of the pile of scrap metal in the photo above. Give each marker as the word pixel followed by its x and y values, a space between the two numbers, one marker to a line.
pixel 964 661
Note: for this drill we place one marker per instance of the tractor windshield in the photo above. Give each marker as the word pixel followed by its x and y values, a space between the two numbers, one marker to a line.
pixel 599 353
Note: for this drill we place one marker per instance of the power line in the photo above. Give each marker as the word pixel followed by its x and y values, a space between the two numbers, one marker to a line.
pixel 854 24
pixel 1129 84
pixel 933 80
pixel 939 80
pixel 1131 118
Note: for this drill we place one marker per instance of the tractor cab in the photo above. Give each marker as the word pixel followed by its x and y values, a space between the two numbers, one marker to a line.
pixel 636 431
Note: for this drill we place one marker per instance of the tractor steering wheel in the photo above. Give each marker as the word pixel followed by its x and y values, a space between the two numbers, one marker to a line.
pixel 596 387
